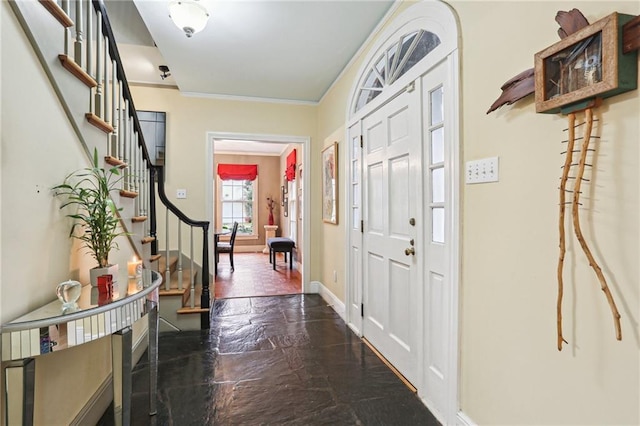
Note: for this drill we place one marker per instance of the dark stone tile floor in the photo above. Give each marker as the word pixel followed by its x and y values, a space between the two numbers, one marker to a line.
pixel 285 360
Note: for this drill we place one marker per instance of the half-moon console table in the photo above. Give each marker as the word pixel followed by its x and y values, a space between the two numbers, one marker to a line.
pixel 52 328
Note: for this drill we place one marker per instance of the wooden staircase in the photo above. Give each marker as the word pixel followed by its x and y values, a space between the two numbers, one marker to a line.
pixel 79 72
pixel 175 299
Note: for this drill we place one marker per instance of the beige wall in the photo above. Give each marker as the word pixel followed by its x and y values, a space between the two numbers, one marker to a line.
pixel 285 222
pixel 269 181
pixel 188 121
pixel 511 372
pixel 511 369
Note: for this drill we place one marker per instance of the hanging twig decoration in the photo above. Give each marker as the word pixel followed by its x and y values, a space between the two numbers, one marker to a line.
pixel 563 192
pixel 575 204
pixel 591 62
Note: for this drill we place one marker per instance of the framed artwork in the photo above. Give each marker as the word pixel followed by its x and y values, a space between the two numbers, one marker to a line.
pixel 286 207
pixel 330 184
pixel 585 65
pixel 282 195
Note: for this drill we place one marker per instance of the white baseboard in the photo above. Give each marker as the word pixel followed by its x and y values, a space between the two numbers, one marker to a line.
pixel 331 299
pixel 463 420
pixel 97 404
pixel 100 400
pixel 248 249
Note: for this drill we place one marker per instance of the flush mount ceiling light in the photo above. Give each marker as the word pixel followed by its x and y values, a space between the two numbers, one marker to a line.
pixel 188 15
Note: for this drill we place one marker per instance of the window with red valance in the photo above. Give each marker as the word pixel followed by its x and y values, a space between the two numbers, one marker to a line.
pixel 290 171
pixel 238 171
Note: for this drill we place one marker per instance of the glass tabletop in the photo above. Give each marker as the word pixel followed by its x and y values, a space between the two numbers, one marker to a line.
pixel 91 302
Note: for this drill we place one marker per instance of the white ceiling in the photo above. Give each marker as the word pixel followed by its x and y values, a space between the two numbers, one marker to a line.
pixel 277 50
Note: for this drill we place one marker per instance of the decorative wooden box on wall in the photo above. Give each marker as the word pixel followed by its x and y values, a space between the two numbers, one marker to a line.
pixel 586 64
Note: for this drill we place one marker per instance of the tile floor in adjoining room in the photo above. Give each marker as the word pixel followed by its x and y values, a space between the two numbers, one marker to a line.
pixel 254 276
pixel 286 360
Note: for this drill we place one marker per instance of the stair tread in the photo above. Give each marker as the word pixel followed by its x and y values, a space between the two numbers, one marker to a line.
pixel 162 264
pixel 57 13
pixel 129 194
pixel 174 289
pixel 188 309
pixel 99 122
pixel 70 65
pixel 115 162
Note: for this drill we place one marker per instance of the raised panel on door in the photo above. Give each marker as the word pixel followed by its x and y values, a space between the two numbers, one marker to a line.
pixel 377 290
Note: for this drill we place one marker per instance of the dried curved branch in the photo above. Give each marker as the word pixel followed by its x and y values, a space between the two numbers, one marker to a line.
pixel 563 191
pixel 570 22
pixel 578 230
pixel 523 84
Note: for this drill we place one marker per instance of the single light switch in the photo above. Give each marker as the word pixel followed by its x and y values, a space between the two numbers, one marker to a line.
pixel 181 193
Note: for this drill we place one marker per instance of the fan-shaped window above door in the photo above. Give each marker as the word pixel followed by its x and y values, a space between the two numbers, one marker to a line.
pixel 394 63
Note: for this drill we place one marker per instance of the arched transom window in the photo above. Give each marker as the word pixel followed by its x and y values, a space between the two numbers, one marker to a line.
pixel 394 63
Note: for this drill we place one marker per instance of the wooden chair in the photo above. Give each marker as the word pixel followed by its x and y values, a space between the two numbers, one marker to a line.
pixel 227 247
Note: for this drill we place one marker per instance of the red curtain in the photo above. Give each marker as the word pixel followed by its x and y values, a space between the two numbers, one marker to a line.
pixel 237 171
pixel 290 171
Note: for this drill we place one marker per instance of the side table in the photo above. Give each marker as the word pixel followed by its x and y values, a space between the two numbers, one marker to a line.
pixel 270 232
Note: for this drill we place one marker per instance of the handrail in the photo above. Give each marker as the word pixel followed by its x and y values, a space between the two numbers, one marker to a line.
pixel 126 93
pixel 163 196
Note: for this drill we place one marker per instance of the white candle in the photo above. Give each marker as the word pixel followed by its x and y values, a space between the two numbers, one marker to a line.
pixel 134 267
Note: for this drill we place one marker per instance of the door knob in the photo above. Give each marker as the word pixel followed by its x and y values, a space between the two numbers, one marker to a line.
pixel 410 251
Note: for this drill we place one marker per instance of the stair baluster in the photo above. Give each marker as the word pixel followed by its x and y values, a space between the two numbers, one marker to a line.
pixel 121 123
pixel 180 255
pixel 67 30
pixel 98 95
pixel 192 280
pixel 112 149
pixel 77 55
pixel 105 91
pixel 167 276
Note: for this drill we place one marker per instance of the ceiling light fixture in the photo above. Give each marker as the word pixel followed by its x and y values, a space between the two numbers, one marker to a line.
pixel 188 15
pixel 165 71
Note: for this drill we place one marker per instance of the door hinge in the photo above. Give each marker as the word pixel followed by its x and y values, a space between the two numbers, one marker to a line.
pixel 362 310
pixel 361 142
pixel 362 226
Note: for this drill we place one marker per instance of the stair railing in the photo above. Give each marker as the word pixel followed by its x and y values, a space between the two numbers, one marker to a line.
pixel 91 53
pixel 182 218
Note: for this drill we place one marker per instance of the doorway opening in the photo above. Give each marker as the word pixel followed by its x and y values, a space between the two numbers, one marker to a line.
pixel 278 189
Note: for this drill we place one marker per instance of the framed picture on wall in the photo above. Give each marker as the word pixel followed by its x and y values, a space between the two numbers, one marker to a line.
pixel 282 195
pixel 330 184
pixel 286 207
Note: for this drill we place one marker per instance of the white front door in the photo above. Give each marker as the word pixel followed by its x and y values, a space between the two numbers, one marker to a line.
pixel 393 224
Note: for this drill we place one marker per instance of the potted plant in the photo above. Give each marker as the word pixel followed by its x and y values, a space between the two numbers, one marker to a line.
pixel 90 190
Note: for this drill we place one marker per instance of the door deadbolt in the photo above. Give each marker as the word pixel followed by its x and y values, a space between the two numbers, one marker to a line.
pixel 413 243
pixel 412 222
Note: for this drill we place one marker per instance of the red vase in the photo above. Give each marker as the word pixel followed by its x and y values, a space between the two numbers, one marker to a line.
pixel 270 217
